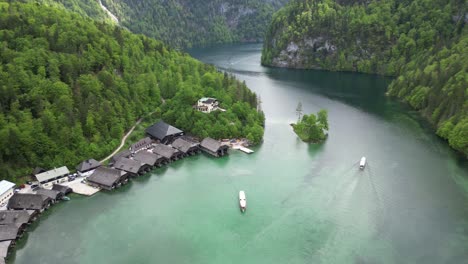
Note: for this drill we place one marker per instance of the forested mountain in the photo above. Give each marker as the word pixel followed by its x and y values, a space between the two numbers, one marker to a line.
pixel 70 87
pixel 187 23
pixel 424 43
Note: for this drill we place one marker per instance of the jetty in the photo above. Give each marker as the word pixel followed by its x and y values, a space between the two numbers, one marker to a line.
pixel 243 149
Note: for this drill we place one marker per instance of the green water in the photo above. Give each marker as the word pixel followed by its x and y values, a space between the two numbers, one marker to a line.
pixel 306 203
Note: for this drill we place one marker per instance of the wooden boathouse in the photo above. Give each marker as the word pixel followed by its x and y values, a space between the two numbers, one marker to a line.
pixel 188 148
pixel 214 147
pixel 29 201
pixel 108 178
pixel 168 152
pixel 52 194
pixel 133 167
pixel 163 132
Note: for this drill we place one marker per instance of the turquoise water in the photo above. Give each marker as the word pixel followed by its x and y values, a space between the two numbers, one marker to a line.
pixel 306 203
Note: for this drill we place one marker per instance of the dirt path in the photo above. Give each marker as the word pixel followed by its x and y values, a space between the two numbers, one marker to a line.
pixel 122 143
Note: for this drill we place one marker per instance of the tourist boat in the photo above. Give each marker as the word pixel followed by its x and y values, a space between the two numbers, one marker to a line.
pixel 242 201
pixel 66 198
pixel 362 163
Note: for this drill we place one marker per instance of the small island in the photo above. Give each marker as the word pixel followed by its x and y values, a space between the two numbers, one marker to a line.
pixel 312 128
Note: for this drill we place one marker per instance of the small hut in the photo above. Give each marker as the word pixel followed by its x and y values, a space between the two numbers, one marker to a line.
pixel 168 152
pixel 214 147
pixel 108 178
pixel 188 148
pixel 163 132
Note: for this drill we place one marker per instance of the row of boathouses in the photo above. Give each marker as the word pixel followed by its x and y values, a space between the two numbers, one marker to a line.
pixel 164 144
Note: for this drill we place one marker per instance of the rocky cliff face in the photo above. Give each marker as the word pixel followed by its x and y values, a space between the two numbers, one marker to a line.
pixel 424 43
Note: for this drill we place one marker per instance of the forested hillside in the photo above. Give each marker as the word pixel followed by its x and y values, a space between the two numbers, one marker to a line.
pixel 424 43
pixel 70 87
pixel 187 23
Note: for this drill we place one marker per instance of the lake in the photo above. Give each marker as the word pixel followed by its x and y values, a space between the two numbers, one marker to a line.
pixel 306 203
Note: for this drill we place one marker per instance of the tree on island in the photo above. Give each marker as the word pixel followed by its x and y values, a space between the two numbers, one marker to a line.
pixel 312 128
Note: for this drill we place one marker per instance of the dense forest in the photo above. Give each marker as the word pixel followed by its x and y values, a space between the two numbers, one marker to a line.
pixel 185 23
pixel 70 87
pixel 423 43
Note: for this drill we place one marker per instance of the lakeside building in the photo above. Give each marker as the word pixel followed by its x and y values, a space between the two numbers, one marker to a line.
pixel 17 217
pixel 208 104
pixel 10 232
pixel 63 189
pixel 214 147
pixel 188 148
pixel 147 158
pixel 52 194
pixel 87 166
pixel 133 167
pixel 57 175
pixel 123 154
pixel 29 201
pixel 108 178
pixel 6 191
pixel 163 132
pixel 142 144
pixel 167 152
pixel 4 250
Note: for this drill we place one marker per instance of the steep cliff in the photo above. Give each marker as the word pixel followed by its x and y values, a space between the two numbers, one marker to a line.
pixel 422 42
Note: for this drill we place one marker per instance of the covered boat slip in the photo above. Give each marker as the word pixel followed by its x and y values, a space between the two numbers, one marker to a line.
pixel 18 217
pixel 107 178
pixel 214 147
pixel 187 147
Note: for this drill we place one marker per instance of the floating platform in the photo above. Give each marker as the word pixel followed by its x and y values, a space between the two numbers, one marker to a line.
pixel 242 148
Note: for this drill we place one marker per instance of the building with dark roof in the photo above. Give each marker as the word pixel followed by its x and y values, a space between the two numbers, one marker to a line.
pixel 63 189
pixel 4 249
pixel 17 217
pixel 168 152
pixel 87 165
pixel 133 167
pixel 214 147
pixel 108 178
pixel 125 154
pixel 29 201
pixel 163 132
pixel 10 232
pixel 52 194
pixel 146 157
pixel 141 145
pixel 185 146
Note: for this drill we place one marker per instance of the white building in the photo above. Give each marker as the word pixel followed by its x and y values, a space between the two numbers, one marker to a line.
pixel 6 191
pixel 207 105
pixel 57 175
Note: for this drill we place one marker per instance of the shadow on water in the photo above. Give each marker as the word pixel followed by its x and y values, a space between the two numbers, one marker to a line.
pixel 364 91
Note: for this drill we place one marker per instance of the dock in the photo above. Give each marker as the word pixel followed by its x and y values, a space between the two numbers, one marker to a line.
pixel 243 149
pixel 81 188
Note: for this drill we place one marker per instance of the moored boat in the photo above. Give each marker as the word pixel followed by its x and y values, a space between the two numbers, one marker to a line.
pixel 242 201
pixel 362 163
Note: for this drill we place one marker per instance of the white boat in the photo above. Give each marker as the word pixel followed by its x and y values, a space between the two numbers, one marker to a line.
pixel 362 163
pixel 242 201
